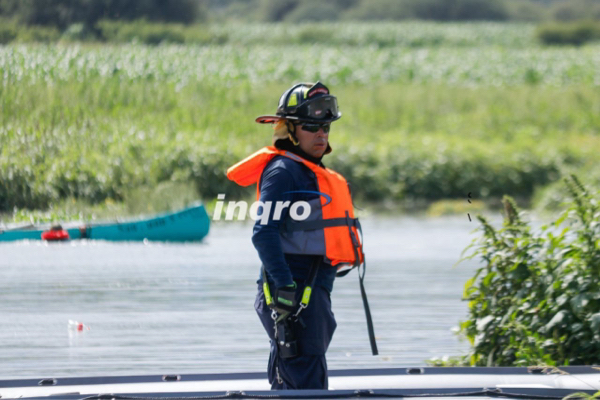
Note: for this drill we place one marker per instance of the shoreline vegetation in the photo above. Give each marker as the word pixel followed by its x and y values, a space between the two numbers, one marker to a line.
pixel 534 299
pixel 384 34
pixel 479 108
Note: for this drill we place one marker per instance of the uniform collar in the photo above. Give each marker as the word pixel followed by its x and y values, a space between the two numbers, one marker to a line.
pixel 287 145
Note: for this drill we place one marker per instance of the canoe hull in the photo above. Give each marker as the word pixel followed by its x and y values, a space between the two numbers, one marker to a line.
pixel 190 224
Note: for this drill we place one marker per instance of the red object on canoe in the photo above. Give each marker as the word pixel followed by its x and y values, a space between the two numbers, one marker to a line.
pixel 56 233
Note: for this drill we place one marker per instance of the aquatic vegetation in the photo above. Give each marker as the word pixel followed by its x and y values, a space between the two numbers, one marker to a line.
pixel 535 299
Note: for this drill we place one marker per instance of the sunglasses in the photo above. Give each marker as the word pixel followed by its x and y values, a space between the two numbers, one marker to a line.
pixel 314 128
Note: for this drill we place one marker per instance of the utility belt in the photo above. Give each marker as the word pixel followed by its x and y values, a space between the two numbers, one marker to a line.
pixel 285 326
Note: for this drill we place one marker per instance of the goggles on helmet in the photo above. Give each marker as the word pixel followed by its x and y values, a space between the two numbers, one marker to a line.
pixel 321 108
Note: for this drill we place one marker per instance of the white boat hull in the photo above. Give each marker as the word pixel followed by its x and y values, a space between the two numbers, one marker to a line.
pixel 434 381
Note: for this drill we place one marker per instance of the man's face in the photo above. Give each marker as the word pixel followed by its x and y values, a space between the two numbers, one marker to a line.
pixel 313 143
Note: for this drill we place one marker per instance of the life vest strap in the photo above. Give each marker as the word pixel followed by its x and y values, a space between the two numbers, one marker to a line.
pixel 289 226
pixel 363 294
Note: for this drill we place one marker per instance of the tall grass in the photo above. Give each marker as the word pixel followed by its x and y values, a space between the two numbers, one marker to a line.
pixel 95 140
pixel 229 65
pixel 92 122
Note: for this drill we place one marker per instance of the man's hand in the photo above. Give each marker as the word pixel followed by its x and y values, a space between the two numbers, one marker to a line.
pixel 284 301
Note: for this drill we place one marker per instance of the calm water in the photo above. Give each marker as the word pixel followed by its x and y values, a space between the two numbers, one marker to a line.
pixel 164 308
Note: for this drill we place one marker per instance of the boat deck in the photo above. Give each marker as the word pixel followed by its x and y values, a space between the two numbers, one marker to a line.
pixel 482 383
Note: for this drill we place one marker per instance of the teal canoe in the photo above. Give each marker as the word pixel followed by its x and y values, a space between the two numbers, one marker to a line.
pixel 189 224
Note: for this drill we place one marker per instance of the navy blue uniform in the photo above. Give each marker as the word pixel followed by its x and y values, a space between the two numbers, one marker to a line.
pixel 281 178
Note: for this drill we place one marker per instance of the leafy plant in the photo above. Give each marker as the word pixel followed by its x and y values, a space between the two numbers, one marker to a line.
pixel 583 396
pixel 536 300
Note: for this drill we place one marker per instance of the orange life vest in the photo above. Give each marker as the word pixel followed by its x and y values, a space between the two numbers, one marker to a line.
pixel 334 223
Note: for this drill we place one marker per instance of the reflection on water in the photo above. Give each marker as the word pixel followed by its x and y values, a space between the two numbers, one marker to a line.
pixel 188 308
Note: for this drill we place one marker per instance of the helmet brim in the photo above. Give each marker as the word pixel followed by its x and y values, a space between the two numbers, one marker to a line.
pixel 269 119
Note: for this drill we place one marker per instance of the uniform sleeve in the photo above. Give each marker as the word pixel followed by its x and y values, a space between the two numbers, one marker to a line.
pixel 274 185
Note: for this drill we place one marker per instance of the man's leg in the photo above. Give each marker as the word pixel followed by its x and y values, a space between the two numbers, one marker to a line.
pixel 308 370
pixel 302 372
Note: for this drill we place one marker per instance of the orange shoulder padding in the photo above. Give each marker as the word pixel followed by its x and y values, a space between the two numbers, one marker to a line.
pixel 248 171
